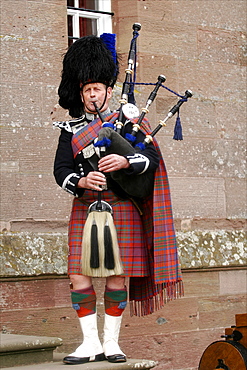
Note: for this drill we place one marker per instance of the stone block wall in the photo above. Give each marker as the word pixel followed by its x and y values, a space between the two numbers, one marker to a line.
pixel 198 45
pixel 176 336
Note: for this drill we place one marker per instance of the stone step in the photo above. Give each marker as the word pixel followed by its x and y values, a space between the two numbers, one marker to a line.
pixel 58 364
pixel 27 352
pixel 18 350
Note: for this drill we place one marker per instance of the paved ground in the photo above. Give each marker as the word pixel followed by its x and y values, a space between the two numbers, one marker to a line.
pixel 103 365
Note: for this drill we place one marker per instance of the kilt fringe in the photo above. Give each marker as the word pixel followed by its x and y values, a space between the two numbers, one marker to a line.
pixel 150 305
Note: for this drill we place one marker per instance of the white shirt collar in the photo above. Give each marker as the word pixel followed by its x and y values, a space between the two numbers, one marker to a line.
pixel 91 116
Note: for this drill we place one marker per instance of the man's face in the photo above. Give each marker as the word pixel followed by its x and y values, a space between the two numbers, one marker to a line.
pixel 98 93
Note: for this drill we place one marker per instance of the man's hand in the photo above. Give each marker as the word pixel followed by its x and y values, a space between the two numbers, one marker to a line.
pixel 94 180
pixel 112 162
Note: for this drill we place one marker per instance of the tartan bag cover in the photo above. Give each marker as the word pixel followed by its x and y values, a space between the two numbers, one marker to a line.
pixel 149 293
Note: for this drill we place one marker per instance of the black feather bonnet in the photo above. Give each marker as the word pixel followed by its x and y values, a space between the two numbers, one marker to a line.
pixel 88 60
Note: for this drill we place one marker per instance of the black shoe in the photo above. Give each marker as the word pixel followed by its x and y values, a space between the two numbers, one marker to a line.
pixel 72 360
pixel 116 358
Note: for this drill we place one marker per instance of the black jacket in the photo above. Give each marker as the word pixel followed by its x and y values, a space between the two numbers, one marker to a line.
pixel 68 170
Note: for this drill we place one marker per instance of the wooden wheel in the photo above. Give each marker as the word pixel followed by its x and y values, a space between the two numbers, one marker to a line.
pixel 226 355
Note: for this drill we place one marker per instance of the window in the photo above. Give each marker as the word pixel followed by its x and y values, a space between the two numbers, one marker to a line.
pixel 88 17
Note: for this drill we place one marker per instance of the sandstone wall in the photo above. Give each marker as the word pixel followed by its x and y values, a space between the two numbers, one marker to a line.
pixel 197 45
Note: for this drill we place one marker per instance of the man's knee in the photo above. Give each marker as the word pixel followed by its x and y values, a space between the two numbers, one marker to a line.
pixel 115 282
pixel 80 281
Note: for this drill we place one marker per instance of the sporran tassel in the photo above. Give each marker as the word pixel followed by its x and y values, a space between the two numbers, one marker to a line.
pixel 109 255
pixel 94 259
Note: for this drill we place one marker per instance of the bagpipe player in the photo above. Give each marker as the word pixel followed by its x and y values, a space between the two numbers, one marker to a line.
pixel 144 226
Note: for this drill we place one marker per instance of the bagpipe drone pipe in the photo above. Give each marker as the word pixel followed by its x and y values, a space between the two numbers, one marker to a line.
pixel 110 139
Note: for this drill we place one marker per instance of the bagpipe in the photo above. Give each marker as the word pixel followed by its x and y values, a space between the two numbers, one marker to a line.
pixel 100 246
pixel 110 139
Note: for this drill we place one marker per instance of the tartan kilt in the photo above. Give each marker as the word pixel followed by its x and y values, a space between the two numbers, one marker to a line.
pixel 132 244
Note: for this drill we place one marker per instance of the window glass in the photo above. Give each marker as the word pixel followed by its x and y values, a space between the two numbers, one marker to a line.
pixel 70 25
pixel 88 4
pixel 87 26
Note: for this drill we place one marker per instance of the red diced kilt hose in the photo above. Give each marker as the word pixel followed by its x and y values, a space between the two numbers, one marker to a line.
pixel 128 223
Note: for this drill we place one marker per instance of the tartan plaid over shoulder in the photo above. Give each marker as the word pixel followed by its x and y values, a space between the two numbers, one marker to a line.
pixel 149 293
pixel 88 133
